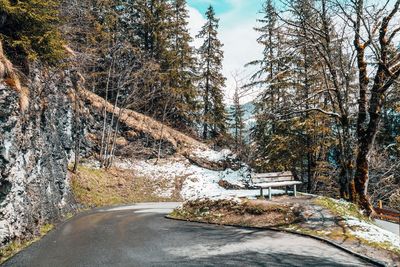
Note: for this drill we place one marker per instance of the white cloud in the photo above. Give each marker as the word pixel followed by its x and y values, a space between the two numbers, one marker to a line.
pixel 240 48
pixel 196 21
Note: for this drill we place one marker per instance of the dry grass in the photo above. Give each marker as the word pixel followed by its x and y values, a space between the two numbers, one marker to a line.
pixel 6 67
pixel 247 213
pixel 98 187
pixel 340 209
pixel 9 76
pixel 141 123
pixel 24 99
pixel 17 245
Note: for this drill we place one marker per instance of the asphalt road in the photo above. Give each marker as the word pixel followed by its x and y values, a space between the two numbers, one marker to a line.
pixel 140 236
pixel 391 227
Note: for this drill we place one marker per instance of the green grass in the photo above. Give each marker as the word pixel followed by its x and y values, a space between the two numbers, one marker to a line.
pixel 246 213
pixel 381 245
pixel 99 187
pixel 17 245
pixel 341 208
pixel 346 209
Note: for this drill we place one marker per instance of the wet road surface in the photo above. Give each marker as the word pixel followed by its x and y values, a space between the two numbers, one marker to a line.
pixel 391 227
pixel 139 235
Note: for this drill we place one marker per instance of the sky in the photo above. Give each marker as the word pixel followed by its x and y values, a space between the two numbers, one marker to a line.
pixel 237 20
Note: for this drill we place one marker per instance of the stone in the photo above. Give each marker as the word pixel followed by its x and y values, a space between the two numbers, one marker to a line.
pixel 35 147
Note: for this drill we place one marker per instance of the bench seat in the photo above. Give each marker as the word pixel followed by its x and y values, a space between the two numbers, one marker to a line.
pixel 274 179
pixel 276 184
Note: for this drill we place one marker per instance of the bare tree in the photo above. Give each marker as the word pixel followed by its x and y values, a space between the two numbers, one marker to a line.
pixel 77 83
pixel 375 28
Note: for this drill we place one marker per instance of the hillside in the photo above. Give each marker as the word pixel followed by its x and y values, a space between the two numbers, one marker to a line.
pixel 106 102
pixel 37 140
pixel 144 124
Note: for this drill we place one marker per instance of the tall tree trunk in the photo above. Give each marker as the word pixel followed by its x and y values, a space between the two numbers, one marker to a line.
pixel 77 122
pixel 207 92
pixel 363 142
pixel 103 134
pixel 346 181
pixel 361 180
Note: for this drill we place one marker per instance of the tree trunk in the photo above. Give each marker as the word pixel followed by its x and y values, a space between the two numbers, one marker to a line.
pixel 361 181
pixel 346 161
pixel 103 134
pixel 207 92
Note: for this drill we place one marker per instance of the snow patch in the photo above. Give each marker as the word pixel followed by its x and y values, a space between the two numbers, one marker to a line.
pixel 372 233
pixel 197 182
pixel 214 156
pixel 6 149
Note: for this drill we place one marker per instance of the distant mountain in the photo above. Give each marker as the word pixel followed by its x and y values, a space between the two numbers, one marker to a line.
pixel 249 109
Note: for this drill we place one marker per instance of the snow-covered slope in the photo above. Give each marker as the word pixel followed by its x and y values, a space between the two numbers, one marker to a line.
pixel 373 233
pixel 195 182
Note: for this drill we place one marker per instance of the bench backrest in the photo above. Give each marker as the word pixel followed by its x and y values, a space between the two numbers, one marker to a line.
pixel 271 177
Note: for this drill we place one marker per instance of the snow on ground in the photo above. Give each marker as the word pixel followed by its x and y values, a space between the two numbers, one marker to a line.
pixel 214 156
pixel 372 233
pixel 197 182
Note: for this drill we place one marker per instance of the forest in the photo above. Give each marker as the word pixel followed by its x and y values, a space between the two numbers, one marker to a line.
pixel 328 82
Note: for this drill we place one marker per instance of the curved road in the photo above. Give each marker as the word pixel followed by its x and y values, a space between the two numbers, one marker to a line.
pixel 139 235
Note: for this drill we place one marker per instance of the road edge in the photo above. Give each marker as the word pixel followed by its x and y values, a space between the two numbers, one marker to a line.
pixel 329 242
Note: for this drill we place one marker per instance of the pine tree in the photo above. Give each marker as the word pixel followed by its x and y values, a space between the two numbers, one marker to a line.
pixel 306 71
pixel 181 67
pixel 150 22
pixel 267 78
pixel 160 29
pixel 147 26
pixel 211 79
pixel 29 30
pixel 236 119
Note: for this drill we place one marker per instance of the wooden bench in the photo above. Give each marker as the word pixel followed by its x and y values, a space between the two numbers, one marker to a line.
pixel 274 179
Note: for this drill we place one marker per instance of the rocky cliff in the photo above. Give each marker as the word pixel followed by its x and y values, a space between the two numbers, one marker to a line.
pixel 36 143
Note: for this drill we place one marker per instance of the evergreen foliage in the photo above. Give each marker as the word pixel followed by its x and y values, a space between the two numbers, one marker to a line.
pixel 29 30
pixel 182 64
pixel 313 76
pixel 274 78
pixel 160 29
pixel 236 114
pixel 318 111
pixel 211 80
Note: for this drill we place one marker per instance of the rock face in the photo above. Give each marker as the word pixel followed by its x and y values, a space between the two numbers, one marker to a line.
pixel 36 143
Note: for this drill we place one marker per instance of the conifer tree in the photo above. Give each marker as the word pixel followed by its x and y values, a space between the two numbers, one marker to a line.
pixel 29 30
pixel 181 69
pixel 307 71
pixel 147 24
pixel 212 80
pixel 160 29
pixel 150 24
pixel 267 79
pixel 236 118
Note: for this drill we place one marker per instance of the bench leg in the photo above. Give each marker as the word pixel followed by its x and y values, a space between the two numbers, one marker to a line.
pixel 261 193
pixel 294 190
pixel 286 190
pixel 269 193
